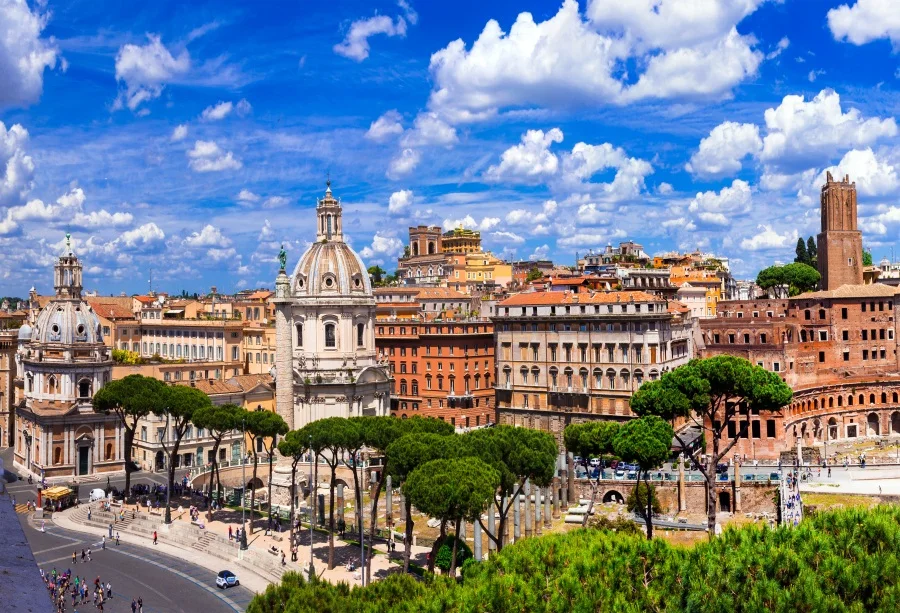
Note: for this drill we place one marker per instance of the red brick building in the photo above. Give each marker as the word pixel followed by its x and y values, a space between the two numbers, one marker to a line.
pixel 441 356
pixel 836 348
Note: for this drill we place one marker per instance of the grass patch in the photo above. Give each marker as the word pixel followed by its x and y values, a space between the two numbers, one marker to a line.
pixel 823 500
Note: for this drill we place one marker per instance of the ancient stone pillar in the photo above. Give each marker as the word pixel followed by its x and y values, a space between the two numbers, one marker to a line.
pixel 682 492
pixel 547 507
pixel 737 488
pixel 555 488
pixel 388 502
pixel 570 478
pixel 340 502
pixel 476 549
pixel 517 518
pixel 402 501
pixel 537 511
pixel 462 530
pixel 529 529
pixel 492 527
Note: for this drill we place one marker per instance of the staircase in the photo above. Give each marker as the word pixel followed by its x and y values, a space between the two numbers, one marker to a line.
pixel 203 542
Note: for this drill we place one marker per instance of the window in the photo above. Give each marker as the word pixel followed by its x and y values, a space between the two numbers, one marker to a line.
pixel 821 356
pixel 865 354
pixel 865 335
pixel 234 353
pixel 360 334
pixel 823 335
pixel 844 313
pixel 770 428
pixel 755 429
pixel 299 335
pixel 330 340
pixel 845 335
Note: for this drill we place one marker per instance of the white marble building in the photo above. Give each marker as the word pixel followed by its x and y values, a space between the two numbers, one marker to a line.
pixel 325 362
pixel 61 362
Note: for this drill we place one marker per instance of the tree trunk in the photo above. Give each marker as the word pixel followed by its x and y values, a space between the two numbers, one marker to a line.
pixel 373 524
pixel 455 541
pixel 129 441
pixel 436 546
pixel 594 487
pixel 711 503
pixel 501 527
pixel 409 533
pixel 331 487
pixel 649 518
pixel 253 489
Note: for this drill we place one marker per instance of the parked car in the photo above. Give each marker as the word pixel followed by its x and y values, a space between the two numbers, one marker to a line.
pixel 226 579
pixel 595 462
pixel 97 494
pixel 620 473
pixel 722 468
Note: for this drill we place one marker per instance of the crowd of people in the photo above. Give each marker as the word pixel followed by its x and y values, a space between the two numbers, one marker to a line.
pixel 63 586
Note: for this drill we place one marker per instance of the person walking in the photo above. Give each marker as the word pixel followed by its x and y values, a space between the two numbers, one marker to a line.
pixel 154 537
pixel 42 525
pixel 82 555
pixel 103 543
pixel 133 605
pixel 108 590
pixel 230 534
pixel 140 604
pixel 74 558
pixel 89 554
pixel 117 539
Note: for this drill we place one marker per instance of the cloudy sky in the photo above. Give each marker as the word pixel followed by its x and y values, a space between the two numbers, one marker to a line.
pixel 192 139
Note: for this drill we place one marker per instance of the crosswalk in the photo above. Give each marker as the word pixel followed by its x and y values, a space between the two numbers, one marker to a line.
pixel 22 508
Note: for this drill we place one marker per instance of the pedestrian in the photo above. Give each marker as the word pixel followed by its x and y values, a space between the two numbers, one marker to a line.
pixel 103 543
pixel 108 590
pixel 82 555
pixel 89 514
pixel 89 554
pixel 140 604
pixel 283 563
pixel 133 605
pixel 229 533
pixel 110 531
pixel 154 537
pixel 117 539
pixel 42 525
pixel 74 558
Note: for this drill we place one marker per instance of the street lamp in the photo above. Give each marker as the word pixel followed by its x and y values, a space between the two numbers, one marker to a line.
pixel 243 483
pixel 311 510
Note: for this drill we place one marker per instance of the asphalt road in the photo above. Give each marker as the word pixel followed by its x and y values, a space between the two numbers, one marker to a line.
pixel 164 582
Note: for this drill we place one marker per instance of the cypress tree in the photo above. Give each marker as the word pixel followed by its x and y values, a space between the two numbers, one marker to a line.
pixel 802 254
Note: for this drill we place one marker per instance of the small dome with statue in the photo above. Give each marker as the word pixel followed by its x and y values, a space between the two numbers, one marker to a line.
pixel 330 267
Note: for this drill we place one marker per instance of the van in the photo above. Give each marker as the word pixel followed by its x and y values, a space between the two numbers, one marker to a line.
pixel 97 494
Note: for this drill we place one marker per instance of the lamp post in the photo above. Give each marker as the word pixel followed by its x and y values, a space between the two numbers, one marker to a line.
pixel 311 509
pixel 243 482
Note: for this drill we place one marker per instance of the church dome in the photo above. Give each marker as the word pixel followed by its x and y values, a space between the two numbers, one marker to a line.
pixel 25 332
pixel 330 267
pixel 67 322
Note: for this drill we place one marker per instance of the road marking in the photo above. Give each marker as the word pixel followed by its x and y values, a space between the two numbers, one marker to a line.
pixel 37 553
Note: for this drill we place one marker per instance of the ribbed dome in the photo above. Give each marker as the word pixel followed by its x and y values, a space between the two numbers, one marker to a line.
pixel 67 322
pixel 330 268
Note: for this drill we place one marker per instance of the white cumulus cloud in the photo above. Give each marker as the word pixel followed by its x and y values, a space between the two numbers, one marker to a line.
pixel 487 223
pixel 206 156
pixel 403 164
pixel 865 21
pixel 355 45
pixel 722 152
pixel 530 160
pixel 767 239
pixel 16 166
pixel 384 247
pixel 209 236
pixel 145 69
pixel 399 202
pixel 24 55
pixel 179 133
pixel 429 129
pixel 718 208
pixel 385 127
pixel 144 236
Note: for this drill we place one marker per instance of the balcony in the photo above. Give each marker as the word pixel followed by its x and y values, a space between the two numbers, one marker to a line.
pixel 569 389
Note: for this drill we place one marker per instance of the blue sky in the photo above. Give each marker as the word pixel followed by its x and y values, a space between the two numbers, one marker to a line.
pixel 191 139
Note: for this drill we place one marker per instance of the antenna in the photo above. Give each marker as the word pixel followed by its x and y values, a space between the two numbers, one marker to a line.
pixel 150 281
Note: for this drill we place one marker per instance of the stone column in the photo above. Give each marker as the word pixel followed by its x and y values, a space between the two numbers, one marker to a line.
pixel 529 529
pixel 555 491
pixel 340 503
pixel 402 501
pixel 462 531
pixel 388 502
pixel 682 492
pixel 537 511
pixel 570 477
pixel 736 504
pixel 476 549
pixel 547 508
pixel 517 518
pixel 492 527
pixel 284 343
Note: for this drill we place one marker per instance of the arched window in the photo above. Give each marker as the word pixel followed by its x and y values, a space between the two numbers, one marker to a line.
pixel 57 455
pixel 30 379
pixel 611 377
pixel 430 248
pixel 871 398
pixel 360 335
pixel 51 384
pixel 583 378
pixel 403 387
pixel 415 388
pixel 300 335
pixel 553 377
pixel 598 378
pixel 568 374
pixel 524 373
pixel 862 399
pixel 84 388
pixel 428 382
pixel 109 451
pixel 883 397
pixel 507 375
pixel 415 249
pixel 330 340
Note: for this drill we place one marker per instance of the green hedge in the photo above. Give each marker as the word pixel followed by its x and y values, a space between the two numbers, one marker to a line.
pixel 838 561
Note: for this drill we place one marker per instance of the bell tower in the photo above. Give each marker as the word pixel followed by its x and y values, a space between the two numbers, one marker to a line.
pixel 839 244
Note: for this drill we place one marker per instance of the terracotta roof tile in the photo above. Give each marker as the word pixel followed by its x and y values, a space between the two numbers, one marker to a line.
pixel 248 382
pixel 539 298
pixel 874 290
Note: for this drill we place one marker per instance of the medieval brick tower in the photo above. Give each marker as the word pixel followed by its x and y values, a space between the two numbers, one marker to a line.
pixel 840 242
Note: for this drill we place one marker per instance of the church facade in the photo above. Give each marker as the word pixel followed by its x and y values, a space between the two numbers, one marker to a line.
pixel 326 363
pixel 61 361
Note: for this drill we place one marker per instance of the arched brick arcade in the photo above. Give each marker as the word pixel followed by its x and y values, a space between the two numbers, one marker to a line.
pixel 843 412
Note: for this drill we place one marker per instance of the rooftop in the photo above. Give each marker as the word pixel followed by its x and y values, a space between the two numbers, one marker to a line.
pixel 874 290
pixel 553 298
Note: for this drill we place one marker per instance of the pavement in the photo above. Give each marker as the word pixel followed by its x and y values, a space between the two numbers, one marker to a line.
pixel 873 480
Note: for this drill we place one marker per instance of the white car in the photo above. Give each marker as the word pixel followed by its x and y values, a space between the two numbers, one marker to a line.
pixel 97 494
pixel 226 579
pixel 595 462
